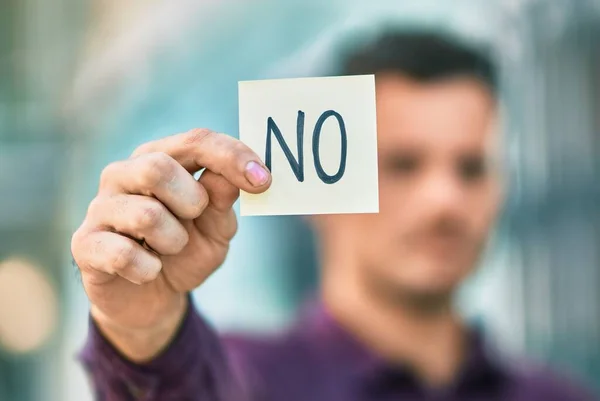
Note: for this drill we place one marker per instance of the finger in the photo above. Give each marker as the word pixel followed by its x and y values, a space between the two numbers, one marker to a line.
pixel 222 194
pixel 160 176
pixel 220 153
pixel 218 220
pixel 140 217
pixel 104 252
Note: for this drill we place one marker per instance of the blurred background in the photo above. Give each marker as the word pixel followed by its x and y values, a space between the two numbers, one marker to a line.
pixel 82 82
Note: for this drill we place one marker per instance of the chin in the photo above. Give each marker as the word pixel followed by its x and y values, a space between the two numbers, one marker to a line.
pixel 427 290
pixel 433 280
pixel 423 297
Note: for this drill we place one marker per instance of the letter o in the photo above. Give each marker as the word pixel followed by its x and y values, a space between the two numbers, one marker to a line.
pixel 326 178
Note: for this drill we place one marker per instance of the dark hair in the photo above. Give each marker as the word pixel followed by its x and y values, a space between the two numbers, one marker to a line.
pixel 422 56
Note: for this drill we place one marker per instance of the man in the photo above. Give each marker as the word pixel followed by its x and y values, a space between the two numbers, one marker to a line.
pixel 383 327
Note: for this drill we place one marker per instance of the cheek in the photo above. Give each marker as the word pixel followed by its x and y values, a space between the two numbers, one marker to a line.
pixel 379 233
pixel 374 232
pixel 484 210
pixel 396 205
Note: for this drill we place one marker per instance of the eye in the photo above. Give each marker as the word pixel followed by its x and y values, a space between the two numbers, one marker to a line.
pixel 403 164
pixel 472 168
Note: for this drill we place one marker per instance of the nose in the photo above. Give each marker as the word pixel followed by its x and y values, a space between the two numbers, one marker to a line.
pixel 442 193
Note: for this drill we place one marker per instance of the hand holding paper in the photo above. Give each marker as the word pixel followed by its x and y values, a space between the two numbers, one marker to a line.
pixel 318 136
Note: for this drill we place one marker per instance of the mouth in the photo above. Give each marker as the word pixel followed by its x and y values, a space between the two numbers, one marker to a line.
pixel 442 245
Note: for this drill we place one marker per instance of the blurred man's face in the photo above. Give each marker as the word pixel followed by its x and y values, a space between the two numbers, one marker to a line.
pixel 439 191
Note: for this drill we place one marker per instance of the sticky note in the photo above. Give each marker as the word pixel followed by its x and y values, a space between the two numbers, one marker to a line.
pixel 318 137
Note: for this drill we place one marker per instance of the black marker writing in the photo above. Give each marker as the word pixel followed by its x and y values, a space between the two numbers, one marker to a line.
pixel 298 165
pixel 329 179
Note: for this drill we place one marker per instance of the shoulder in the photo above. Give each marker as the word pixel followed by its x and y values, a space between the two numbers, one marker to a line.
pixel 538 381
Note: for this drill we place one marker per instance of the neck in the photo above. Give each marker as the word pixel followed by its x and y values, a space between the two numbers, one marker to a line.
pixel 427 337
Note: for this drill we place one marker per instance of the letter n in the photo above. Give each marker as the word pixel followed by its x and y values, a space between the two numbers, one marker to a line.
pixel 296 165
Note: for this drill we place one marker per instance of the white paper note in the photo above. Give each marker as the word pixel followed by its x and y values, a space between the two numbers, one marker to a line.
pixel 336 172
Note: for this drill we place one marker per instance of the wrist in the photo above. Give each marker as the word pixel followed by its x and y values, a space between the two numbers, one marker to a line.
pixel 141 344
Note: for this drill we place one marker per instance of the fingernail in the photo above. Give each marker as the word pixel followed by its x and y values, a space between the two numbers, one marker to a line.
pixel 256 174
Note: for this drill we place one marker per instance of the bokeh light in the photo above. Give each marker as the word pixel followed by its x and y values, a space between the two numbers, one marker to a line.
pixel 28 306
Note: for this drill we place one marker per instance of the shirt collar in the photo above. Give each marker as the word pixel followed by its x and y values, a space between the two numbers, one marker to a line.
pixel 343 352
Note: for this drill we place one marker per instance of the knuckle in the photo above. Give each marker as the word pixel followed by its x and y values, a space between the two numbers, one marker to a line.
pixel 239 147
pixel 148 216
pixel 109 173
pixel 228 143
pixel 238 151
pixel 96 206
pixel 197 136
pixel 76 245
pixel 148 275
pixel 228 150
pixel 157 169
pixel 123 256
pixel 200 206
pixel 143 149
pixel 181 241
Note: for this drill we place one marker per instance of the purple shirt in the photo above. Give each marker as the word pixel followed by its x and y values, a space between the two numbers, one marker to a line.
pixel 315 360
